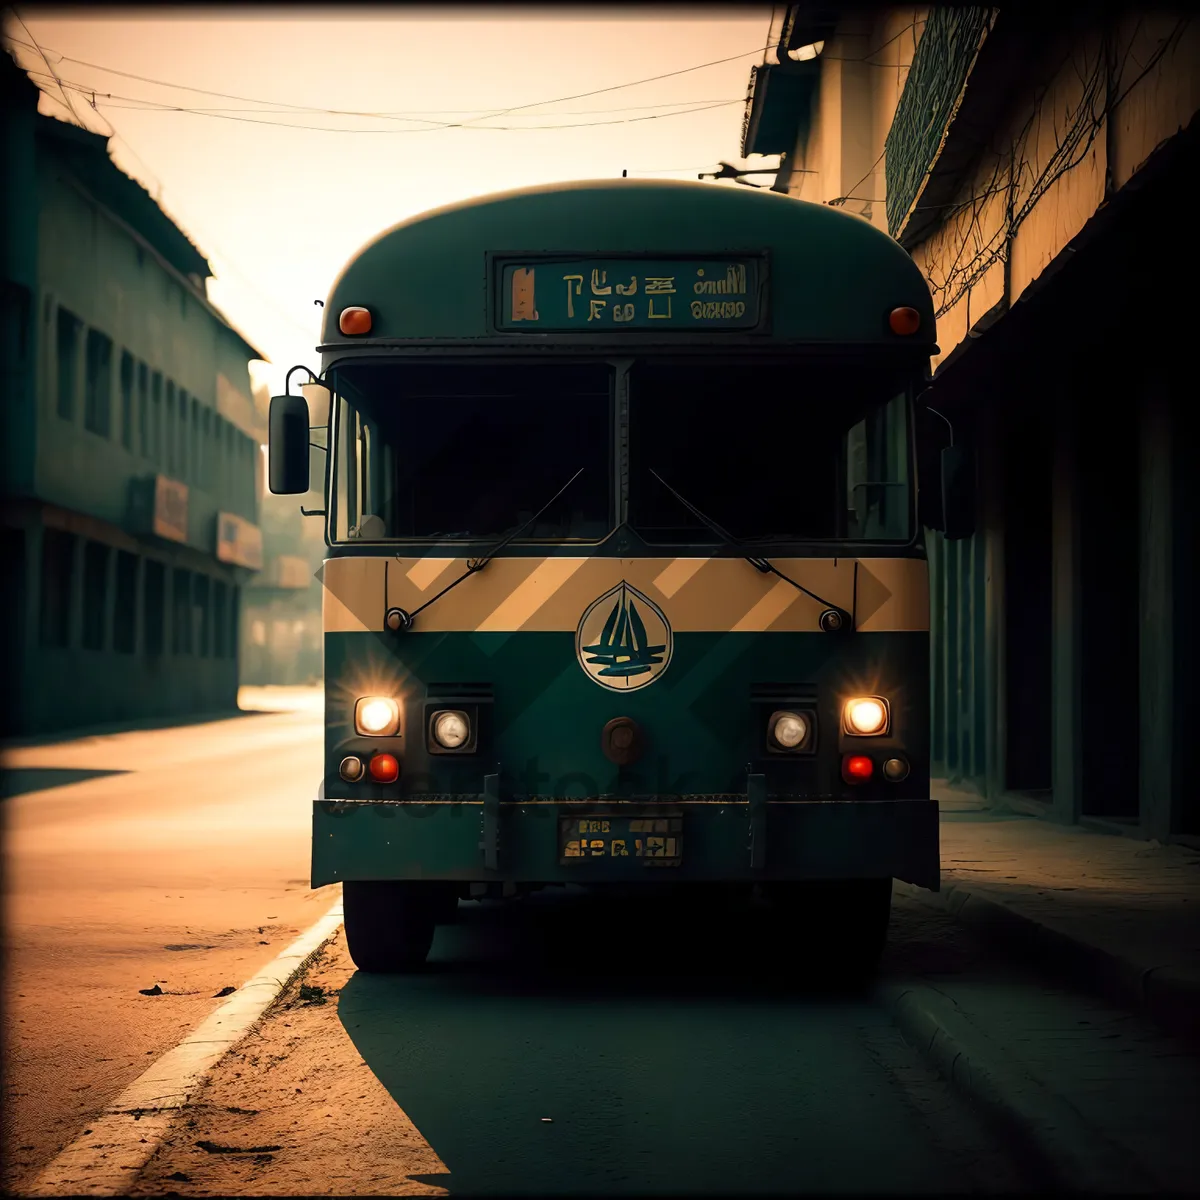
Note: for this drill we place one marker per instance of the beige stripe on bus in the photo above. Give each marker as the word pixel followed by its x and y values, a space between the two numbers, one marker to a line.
pixel 551 594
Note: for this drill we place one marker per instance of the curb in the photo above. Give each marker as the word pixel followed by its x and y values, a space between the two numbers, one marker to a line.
pixel 105 1160
pixel 1167 995
pixel 1060 1147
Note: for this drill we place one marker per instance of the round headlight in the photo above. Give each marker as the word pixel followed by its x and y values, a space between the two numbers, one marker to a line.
pixel 450 729
pixel 376 716
pixel 790 730
pixel 866 716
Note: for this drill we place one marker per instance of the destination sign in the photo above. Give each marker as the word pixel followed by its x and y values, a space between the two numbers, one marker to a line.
pixel 603 295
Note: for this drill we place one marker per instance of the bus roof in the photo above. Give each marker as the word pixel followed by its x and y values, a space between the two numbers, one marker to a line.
pixel 831 277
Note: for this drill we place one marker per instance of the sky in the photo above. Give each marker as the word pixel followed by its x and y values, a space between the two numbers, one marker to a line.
pixel 283 177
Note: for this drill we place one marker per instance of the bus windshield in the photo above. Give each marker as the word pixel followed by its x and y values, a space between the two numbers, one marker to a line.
pixel 790 453
pixel 467 452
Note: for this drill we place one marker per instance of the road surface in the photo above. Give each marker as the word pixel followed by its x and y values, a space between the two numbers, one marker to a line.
pixel 569 1046
pixel 174 858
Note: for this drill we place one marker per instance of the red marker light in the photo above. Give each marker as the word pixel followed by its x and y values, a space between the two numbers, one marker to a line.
pixel 384 768
pixel 856 768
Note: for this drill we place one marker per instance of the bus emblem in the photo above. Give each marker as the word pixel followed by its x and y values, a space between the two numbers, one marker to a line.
pixel 623 640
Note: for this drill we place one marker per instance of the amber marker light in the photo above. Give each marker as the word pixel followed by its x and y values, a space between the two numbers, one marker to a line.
pixel 857 768
pixel 384 768
pixel 358 321
pixel 904 321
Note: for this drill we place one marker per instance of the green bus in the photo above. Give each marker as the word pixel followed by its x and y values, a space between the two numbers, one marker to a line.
pixel 625 580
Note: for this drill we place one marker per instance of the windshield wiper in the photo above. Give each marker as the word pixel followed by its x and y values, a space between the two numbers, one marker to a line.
pixel 761 564
pixel 397 620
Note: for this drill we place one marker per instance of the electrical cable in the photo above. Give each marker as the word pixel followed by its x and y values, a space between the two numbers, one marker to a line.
pixel 346 112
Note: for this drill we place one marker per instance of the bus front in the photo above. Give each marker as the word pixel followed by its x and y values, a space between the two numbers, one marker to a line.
pixel 615 596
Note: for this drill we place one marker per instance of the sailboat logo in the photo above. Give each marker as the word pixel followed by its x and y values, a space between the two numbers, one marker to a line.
pixel 623 640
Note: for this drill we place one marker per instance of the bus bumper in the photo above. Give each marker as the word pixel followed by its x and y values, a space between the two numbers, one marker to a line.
pixel 735 839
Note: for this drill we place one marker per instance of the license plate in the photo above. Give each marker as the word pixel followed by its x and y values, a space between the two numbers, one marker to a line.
pixel 652 841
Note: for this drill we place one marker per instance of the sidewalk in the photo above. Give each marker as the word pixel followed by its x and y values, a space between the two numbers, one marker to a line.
pixel 1110 914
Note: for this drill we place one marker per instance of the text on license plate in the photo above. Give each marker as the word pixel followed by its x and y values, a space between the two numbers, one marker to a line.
pixel 659 840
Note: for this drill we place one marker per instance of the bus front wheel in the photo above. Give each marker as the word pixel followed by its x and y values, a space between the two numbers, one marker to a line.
pixel 390 924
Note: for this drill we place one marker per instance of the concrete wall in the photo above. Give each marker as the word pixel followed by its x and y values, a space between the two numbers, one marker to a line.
pixel 99 271
pixel 863 70
pixel 1019 209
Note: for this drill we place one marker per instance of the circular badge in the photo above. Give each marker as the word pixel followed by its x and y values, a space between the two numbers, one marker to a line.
pixel 623 640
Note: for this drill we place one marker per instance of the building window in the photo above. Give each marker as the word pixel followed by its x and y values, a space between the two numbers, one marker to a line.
pixel 181 616
pixel 95 589
pixel 97 404
pixel 197 446
pixel 218 619
pixel 126 399
pixel 170 431
pixel 125 609
pixel 181 457
pixel 235 614
pixel 200 616
pixel 58 568
pixel 67 352
pixel 246 473
pixel 209 479
pixel 230 480
pixel 143 406
pixel 154 607
pixel 156 422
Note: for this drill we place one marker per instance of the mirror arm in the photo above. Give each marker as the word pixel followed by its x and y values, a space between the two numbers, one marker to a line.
pixel 311 512
pixel 930 408
pixel 312 378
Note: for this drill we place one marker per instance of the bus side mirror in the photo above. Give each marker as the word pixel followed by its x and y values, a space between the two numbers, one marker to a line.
pixel 288 437
pixel 958 493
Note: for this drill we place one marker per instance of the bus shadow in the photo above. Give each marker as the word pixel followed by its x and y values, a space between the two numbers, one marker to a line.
pixel 19 781
pixel 568 1046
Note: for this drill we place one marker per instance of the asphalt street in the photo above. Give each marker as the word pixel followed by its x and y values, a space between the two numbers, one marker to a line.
pixel 169 858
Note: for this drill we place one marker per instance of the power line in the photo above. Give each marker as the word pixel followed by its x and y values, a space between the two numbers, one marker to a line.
pixel 268 105
pixel 347 112
pixel 139 105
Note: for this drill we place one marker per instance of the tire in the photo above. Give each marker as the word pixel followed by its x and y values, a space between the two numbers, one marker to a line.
pixel 843 924
pixel 390 924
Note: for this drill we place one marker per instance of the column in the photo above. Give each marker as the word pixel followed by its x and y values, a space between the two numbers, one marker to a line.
pixel 1066 723
pixel 992 449
pixel 1156 616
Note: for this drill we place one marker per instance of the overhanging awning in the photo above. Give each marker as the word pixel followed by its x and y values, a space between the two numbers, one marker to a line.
pixel 779 106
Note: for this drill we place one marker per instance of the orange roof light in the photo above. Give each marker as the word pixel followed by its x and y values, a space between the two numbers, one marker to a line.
pixel 904 321
pixel 358 320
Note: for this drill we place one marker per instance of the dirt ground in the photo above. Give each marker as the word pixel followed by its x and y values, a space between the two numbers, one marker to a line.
pixel 270 1119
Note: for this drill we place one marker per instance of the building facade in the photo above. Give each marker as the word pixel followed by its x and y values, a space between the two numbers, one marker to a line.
pixel 131 466
pixel 282 635
pixel 1037 165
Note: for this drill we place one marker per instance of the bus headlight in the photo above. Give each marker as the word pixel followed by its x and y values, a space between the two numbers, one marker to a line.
pixel 450 729
pixel 865 716
pixel 788 729
pixel 376 716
